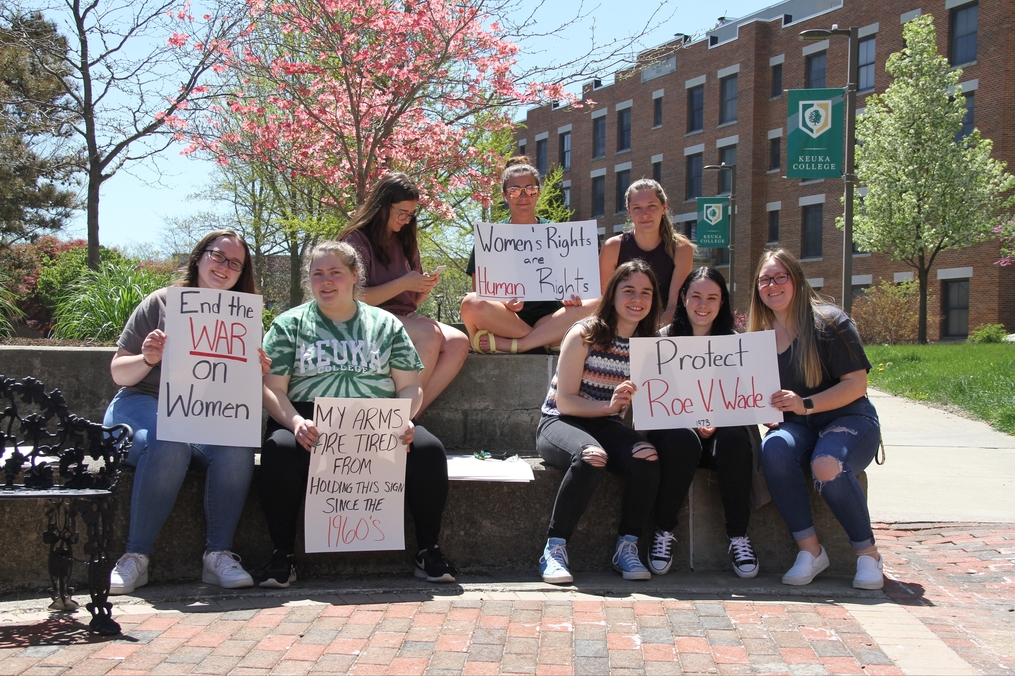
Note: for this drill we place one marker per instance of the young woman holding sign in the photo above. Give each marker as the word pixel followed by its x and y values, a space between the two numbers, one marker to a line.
pixel 703 309
pixel 383 231
pixel 518 326
pixel 304 343
pixel 652 239
pixel 582 429
pixel 830 430
pixel 221 260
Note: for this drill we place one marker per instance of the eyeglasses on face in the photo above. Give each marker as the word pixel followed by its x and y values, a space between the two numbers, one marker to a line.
pixel 403 215
pixel 778 280
pixel 514 191
pixel 219 257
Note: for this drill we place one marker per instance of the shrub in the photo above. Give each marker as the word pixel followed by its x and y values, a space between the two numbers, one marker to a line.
pixel 9 311
pixel 58 274
pixel 989 333
pixel 888 314
pixel 97 305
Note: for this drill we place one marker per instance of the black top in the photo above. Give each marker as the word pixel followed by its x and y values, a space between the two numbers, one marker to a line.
pixel 839 348
pixel 660 262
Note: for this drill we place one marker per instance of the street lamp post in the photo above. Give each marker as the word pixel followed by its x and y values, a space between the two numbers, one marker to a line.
pixel 848 175
pixel 732 168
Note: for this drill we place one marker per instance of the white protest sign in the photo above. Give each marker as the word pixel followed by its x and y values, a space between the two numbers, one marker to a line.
pixel 705 381
pixel 210 391
pixel 546 261
pixel 356 487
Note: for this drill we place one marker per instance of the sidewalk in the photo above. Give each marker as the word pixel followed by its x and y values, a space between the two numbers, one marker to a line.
pixel 949 607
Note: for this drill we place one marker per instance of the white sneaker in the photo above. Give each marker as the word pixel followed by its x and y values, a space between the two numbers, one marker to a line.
pixel 660 557
pixel 806 568
pixel 869 572
pixel 224 569
pixel 129 573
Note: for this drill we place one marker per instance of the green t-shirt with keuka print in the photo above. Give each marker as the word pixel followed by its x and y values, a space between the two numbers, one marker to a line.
pixel 339 359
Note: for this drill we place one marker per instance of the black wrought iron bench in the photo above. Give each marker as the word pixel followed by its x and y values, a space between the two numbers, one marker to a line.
pixel 73 465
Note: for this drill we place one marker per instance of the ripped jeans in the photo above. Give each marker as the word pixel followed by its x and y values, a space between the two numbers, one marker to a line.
pixel 850 435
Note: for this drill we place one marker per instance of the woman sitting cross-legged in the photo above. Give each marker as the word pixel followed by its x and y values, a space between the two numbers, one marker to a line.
pixel 703 309
pixel 304 344
pixel 384 233
pixel 830 430
pixel 582 429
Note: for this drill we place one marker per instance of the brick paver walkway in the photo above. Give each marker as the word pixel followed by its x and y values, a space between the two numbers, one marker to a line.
pixel 957 580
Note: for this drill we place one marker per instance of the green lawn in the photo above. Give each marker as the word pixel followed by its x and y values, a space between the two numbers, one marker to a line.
pixel 979 379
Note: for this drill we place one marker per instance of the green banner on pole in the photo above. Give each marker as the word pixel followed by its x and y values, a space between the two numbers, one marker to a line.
pixel 815 133
pixel 714 222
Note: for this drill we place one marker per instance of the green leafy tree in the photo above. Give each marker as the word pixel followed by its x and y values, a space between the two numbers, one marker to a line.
pixel 928 188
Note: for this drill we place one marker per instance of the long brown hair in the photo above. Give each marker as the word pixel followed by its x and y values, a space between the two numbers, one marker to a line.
pixel 372 217
pixel 600 329
pixel 805 314
pixel 245 283
pixel 671 238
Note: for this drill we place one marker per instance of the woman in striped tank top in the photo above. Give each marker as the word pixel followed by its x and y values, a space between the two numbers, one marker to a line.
pixel 582 429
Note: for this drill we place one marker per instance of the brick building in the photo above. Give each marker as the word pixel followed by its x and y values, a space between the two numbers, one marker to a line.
pixel 688 104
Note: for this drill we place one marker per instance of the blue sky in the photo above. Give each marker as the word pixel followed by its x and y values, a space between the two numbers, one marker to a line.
pixel 134 206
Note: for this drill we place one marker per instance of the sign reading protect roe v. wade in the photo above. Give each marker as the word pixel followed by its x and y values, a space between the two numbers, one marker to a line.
pixel 211 374
pixel 704 381
pixel 545 261
pixel 356 485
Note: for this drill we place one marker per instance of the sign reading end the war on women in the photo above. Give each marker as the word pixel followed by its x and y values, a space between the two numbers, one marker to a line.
pixel 545 261
pixel 704 381
pixel 714 222
pixel 356 486
pixel 815 133
pixel 211 373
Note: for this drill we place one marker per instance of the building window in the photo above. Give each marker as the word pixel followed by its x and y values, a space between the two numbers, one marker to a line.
pixel 696 108
pixel 814 71
pixel 541 156
pixel 728 99
pixel 599 137
pixel 955 297
pixel 773 226
pixel 810 245
pixel 521 147
pixel 657 112
pixel 722 256
pixel 623 181
pixel 865 67
pixel 968 121
pixel 691 230
pixel 565 151
pixel 692 183
pixel 727 156
pixel 657 172
pixel 962 35
pixel 777 80
pixel 598 196
pixel 566 196
pixel 774 153
pixel 624 130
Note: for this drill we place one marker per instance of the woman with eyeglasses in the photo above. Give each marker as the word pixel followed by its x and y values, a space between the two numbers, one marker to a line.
pixel 517 326
pixel 830 430
pixel 383 231
pixel 221 260
pixel 652 239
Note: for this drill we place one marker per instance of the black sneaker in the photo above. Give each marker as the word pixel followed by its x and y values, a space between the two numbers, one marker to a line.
pixel 280 571
pixel 431 564
pixel 745 563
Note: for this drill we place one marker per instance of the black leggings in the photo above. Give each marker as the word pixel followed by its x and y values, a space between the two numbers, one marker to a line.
pixel 282 482
pixel 560 441
pixel 682 451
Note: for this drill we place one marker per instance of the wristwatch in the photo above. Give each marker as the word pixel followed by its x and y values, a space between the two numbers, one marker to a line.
pixel 808 406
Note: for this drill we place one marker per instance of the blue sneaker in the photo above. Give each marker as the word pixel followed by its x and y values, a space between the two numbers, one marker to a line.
pixel 626 560
pixel 553 562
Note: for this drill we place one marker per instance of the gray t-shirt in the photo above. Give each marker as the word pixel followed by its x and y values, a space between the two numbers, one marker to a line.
pixel 150 314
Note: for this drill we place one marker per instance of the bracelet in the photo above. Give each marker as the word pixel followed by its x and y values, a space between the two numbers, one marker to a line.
pixel 149 365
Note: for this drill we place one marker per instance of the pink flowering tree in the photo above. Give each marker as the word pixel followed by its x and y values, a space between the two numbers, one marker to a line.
pixel 340 92
pixel 1006 231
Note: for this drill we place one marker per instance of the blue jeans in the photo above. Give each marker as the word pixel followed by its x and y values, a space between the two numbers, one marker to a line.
pixel 161 468
pixel 850 435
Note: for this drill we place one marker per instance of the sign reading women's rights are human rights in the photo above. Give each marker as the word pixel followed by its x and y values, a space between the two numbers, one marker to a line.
pixel 211 373
pixel 704 381
pixel 545 261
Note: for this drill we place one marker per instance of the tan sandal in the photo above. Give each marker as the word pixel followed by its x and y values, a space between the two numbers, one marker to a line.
pixel 493 343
